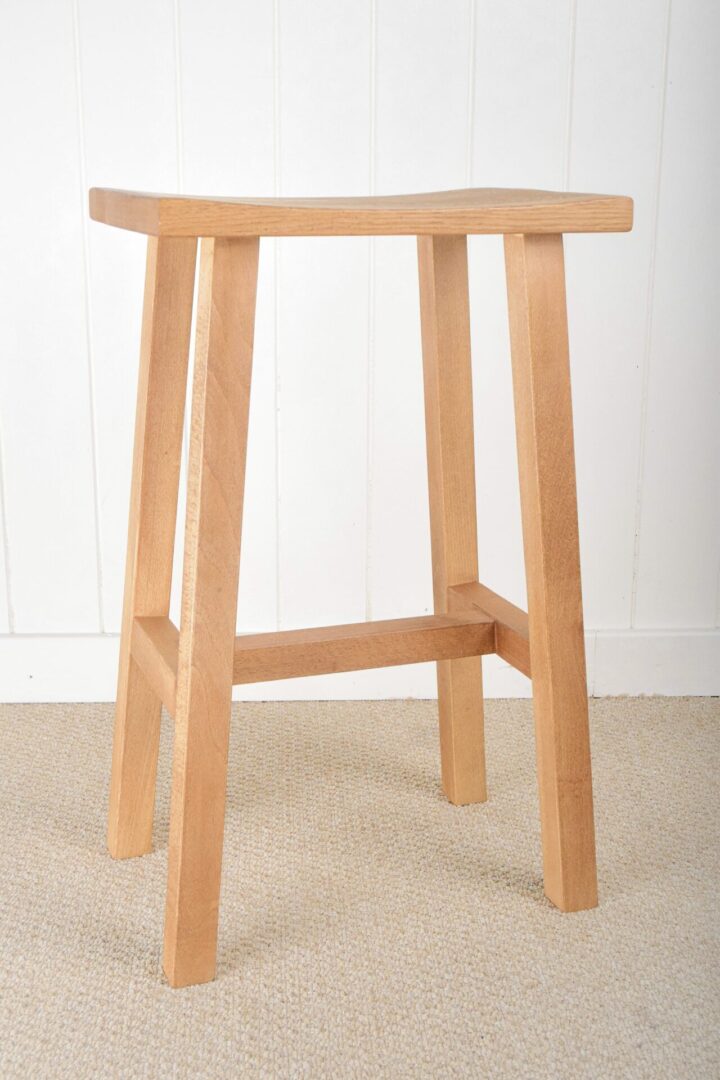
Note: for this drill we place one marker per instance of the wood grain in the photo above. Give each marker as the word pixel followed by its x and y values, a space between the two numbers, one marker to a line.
pixel 471 210
pixel 356 646
pixel 320 650
pixel 445 321
pixel 162 378
pixel 221 395
pixel 155 651
pixel 543 410
pixel 512 640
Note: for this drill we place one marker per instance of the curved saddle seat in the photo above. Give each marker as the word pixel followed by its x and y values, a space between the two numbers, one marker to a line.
pixel 472 210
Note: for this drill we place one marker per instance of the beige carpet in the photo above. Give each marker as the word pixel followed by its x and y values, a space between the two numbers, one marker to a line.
pixel 368 928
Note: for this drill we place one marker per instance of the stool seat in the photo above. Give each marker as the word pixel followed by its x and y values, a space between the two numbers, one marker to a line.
pixel 467 211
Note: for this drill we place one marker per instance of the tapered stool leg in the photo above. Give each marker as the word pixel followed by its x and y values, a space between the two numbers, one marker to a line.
pixel 445 321
pixel 221 397
pixel 153 507
pixel 543 412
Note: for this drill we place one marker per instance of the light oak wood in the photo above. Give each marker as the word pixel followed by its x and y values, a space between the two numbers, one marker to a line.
pixel 445 323
pixel 356 646
pixel 216 476
pixel 191 671
pixel 512 640
pixel 474 210
pixel 156 467
pixel 543 416
pixel 155 651
pixel 321 650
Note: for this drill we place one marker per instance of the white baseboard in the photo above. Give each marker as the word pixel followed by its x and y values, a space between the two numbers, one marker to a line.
pixel 665 662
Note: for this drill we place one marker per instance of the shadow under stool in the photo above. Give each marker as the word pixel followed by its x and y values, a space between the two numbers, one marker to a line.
pixel 191 670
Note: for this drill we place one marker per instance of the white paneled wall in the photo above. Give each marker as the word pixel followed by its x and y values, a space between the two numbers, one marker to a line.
pixel 368 96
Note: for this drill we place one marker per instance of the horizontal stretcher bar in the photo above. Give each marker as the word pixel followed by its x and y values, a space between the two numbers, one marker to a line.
pixel 287 654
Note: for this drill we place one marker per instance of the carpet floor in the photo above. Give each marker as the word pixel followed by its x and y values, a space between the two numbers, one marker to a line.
pixel 368 928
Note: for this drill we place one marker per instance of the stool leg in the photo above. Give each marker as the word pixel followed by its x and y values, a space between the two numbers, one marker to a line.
pixel 153 506
pixel 543 412
pixel 221 397
pixel 445 321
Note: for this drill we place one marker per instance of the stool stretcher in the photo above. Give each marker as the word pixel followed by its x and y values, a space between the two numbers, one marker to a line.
pixel 288 654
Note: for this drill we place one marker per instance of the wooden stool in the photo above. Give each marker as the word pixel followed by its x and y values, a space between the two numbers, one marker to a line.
pixel 192 670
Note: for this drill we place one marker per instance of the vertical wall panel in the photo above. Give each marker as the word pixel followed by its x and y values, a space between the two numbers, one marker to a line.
pixel 519 137
pixel 226 75
pixel 129 113
pixel 422 54
pixel 227 145
pixel 399 564
pixel 680 498
pixel 522 53
pixel 44 391
pixel 324 51
pixel 617 104
pixel 348 98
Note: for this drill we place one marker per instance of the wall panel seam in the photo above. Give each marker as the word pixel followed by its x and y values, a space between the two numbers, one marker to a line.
pixel 570 94
pixel 180 181
pixel 88 313
pixel 470 150
pixel 179 133
pixel 179 178
pixel 649 311
pixel 277 188
pixel 370 386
